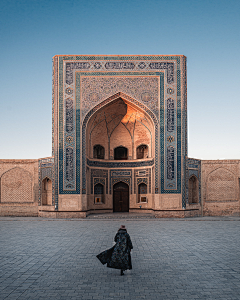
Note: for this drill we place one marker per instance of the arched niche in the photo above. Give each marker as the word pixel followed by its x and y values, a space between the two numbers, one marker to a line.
pixel 98 152
pixel 101 125
pixel 142 151
pixel 98 193
pixel 121 142
pixel 46 191
pixel 193 190
pixel 119 123
pixel 142 192
pixel 121 153
pixel 119 108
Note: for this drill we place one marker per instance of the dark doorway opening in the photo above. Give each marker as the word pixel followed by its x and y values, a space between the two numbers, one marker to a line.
pixel 142 151
pixel 192 190
pixel 120 153
pixel 98 152
pixel 120 197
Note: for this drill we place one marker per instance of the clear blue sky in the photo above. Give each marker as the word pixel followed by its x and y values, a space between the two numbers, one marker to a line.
pixel 207 32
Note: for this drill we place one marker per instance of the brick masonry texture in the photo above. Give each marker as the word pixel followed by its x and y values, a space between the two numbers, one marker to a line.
pixel 19 187
pixel 220 187
pixel 185 260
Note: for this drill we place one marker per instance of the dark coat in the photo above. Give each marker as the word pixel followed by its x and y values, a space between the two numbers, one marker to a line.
pixel 118 257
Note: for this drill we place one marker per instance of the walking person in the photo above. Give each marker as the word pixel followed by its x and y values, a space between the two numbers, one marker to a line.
pixel 119 256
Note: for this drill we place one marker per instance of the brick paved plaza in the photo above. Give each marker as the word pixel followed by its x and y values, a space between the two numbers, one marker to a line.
pixel 172 259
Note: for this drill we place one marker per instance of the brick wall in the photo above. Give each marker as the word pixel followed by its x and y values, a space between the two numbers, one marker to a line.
pixel 19 187
pixel 220 187
pixel 16 186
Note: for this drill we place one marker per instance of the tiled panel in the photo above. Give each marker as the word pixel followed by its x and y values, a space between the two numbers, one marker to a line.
pixel 45 169
pixel 193 167
pixel 95 89
pixel 142 175
pixel 82 84
pixel 55 126
pixel 117 175
pixel 99 176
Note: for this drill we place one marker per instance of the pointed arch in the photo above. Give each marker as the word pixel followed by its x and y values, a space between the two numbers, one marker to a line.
pixel 99 193
pixel 46 191
pixel 120 153
pixel 142 151
pixel 150 116
pixel 98 151
pixel 193 190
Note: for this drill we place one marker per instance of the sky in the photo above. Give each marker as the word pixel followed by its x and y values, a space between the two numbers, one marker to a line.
pixel 33 31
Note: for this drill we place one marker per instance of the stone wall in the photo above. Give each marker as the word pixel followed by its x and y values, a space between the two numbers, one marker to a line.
pixel 220 187
pixel 19 187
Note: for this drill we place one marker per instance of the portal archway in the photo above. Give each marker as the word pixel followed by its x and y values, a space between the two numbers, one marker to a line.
pixel 119 121
pixel 120 197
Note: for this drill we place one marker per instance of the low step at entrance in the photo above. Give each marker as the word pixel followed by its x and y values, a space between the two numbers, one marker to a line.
pixel 125 215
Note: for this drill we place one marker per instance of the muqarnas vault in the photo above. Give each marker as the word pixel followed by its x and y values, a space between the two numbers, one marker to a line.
pixel 119 134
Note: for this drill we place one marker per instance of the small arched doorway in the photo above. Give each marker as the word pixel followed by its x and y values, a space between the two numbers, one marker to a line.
pixel 120 197
pixel 193 190
pixel 98 152
pixel 121 153
pixel 142 151
pixel 142 192
pixel 98 193
pixel 47 191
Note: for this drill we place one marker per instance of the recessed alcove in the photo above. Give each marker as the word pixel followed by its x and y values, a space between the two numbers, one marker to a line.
pixel 120 130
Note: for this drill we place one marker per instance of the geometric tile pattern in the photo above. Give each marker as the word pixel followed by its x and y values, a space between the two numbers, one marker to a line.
pixel 114 164
pixel 123 175
pixel 45 169
pixel 142 175
pixel 95 89
pixel 99 176
pixel 193 167
pixel 81 83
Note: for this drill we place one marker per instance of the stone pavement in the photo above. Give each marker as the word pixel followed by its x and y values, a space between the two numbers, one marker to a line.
pixel 172 259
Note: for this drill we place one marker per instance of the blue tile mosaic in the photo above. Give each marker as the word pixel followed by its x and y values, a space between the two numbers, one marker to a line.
pixel 99 176
pixel 70 172
pixel 114 164
pixel 193 168
pixel 45 170
pixel 142 175
pixel 123 175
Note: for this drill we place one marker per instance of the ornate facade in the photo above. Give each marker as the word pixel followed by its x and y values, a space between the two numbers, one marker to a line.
pixel 122 106
pixel 119 140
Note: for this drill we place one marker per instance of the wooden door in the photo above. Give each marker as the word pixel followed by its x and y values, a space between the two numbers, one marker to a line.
pixel 120 197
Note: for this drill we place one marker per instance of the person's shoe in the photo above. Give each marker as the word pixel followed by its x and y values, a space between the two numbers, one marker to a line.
pixel 122 272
